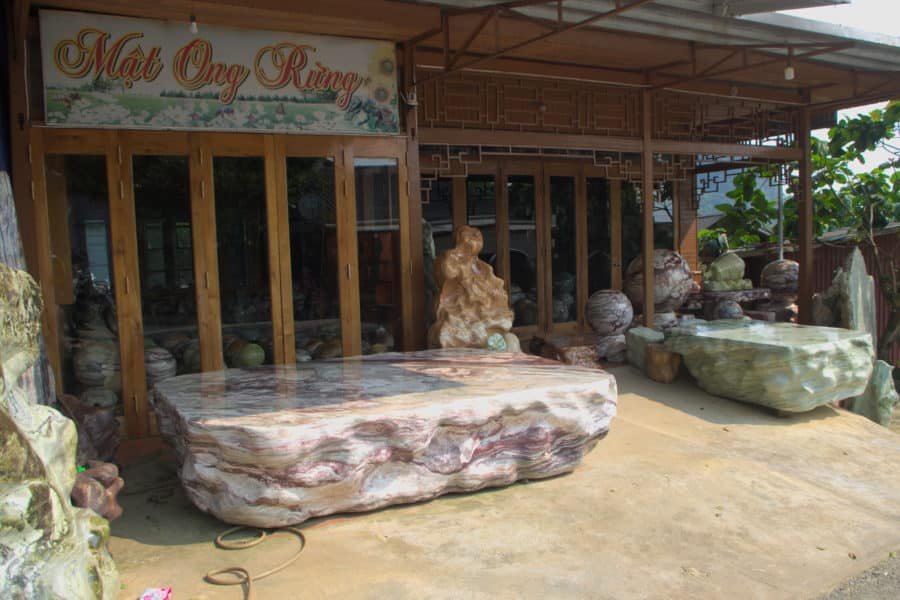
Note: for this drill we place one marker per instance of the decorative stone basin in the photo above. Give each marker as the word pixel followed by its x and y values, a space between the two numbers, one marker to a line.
pixel 272 446
pixel 784 366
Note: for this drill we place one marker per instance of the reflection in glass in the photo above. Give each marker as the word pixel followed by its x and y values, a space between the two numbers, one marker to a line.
pixel 632 224
pixel 562 240
pixel 599 243
pixel 378 244
pixel 481 213
pixel 437 234
pixel 78 208
pixel 162 206
pixel 314 272
pixel 241 231
pixel 663 217
pixel 522 249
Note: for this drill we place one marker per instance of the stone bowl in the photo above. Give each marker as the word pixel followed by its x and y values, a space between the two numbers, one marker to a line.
pixel 609 312
pixel 672 280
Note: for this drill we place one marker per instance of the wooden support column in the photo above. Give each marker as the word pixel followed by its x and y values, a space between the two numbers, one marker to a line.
pixel 615 231
pixel 348 251
pixel 460 203
pixel 581 249
pixel 206 257
pixel 647 195
pixel 279 246
pixel 805 209
pixel 126 286
pixel 416 266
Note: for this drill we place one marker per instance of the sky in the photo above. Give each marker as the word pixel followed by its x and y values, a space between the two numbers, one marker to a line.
pixel 880 16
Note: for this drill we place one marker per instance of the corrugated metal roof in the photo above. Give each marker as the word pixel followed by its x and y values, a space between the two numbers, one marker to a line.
pixel 698 21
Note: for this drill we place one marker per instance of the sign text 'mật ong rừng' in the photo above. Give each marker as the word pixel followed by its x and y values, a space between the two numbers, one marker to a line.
pixel 103 70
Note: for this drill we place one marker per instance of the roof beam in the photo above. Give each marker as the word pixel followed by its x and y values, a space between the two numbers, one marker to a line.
pixel 540 38
pixel 706 74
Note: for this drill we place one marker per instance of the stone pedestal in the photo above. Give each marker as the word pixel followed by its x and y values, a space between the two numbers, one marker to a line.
pixel 275 446
pixel 637 339
pixel 661 365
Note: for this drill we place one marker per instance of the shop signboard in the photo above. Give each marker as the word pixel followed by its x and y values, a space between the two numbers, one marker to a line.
pixel 107 71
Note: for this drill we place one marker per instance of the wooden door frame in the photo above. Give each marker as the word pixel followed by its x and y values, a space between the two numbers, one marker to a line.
pixel 118 147
pixel 575 170
pixel 527 167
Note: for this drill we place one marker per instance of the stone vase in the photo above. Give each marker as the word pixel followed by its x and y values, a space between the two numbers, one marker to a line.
pixel 672 281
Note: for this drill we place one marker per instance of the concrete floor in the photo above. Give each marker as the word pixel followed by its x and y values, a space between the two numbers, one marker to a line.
pixel 690 496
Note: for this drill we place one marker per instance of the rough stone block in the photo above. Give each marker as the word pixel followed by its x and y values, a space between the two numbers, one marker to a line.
pixel 274 446
pixel 662 366
pixel 787 367
pixel 878 401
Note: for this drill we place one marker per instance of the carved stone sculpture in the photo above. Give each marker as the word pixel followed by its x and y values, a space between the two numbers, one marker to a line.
pixel 49 548
pixel 277 445
pixel 472 303
pixel 782 278
pixel 672 281
pixel 850 303
pixel 726 274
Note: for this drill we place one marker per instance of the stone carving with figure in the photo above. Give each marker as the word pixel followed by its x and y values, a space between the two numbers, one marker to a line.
pixel 472 307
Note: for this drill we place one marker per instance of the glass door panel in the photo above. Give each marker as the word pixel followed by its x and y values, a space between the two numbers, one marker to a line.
pixel 314 257
pixel 78 204
pixel 599 235
pixel 242 238
pixel 166 264
pixel 523 249
pixel 378 247
pixel 481 213
pixel 437 235
pixel 562 247
pixel 632 224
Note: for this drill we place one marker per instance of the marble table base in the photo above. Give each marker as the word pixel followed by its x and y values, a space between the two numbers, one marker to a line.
pixel 273 446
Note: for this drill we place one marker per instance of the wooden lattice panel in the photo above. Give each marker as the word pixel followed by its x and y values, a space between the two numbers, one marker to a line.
pixel 723 120
pixel 499 103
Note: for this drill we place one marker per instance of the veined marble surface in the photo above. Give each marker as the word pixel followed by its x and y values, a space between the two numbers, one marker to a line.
pixel 272 446
pixel 784 366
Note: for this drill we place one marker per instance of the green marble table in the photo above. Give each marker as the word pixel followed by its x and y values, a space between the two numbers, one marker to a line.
pixel 787 367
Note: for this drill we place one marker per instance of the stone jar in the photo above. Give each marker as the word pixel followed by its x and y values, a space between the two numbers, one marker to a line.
pixel 781 276
pixel 672 280
pixel 609 312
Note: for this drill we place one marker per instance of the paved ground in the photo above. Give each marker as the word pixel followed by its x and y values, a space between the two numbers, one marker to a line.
pixel 881 582
pixel 690 496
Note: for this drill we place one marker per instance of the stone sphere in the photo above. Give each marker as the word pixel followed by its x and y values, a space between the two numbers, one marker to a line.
pixel 672 280
pixel 159 364
pixel 728 309
pixel 781 276
pixel 609 312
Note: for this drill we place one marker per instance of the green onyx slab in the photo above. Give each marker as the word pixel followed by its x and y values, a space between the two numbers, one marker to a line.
pixel 783 366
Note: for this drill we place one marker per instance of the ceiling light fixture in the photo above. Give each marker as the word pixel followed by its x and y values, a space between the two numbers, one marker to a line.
pixel 193 27
pixel 789 73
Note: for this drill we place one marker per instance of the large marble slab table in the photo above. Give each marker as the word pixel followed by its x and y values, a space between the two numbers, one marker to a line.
pixel 273 446
pixel 787 367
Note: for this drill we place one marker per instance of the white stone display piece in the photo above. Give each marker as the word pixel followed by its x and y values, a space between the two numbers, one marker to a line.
pixel 274 446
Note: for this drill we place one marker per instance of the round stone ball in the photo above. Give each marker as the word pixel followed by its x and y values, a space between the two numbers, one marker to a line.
pixel 609 312
pixel 782 277
pixel 672 280
pixel 728 309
